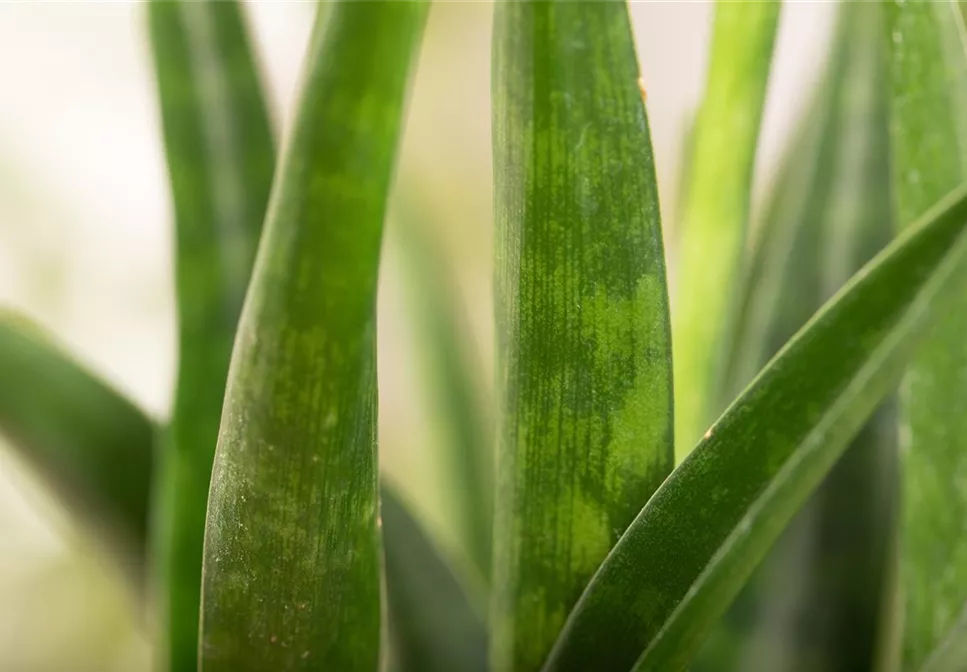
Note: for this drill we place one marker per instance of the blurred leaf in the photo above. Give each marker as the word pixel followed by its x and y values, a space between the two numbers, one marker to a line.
pixel 816 603
pixel 292 554
pixel 432 624
pixel 584 370
pixel 716 205
pixel 89 444
pixel 469 455
pixel 928 125
pixel 697 540
pixel 220 160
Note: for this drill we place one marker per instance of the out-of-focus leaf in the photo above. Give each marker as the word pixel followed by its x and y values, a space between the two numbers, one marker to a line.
pixel 220 160
pixel 89 444
pixel 929 119
pixel 584 371
pixel 432 624
pixel 695 543
pixel 816 603
pixel 468 455
pixel 291 576
pixel 716 205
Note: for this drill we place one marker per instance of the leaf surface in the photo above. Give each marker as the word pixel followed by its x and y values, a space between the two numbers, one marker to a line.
pixel 291 576
pixel 584 370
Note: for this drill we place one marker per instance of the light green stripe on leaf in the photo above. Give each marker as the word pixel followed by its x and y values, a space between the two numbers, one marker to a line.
pixel 929 119
pixel 584 379
pixel 292 553
pixel 692 547
pixel 716 206
pixel 220 160
pixel 89 444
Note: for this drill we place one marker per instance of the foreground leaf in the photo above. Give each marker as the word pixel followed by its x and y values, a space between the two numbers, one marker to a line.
pixel 89 444
pixel 220 160
pixel 697 540
pixel 928 122
pixel 584 376
pixel 292 553
pixel 467 460
pixel 816 603
pixel 432 625
pixel 716 205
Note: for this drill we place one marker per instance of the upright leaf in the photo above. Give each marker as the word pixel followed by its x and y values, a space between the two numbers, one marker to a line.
pixel 292 554
pixel 929 118
pixel 816 602
pixel 468 455
pixel 585 430
pixel 716 206
pixel 220 160
pixel 696 541
pixel 89 444
pixel 432 624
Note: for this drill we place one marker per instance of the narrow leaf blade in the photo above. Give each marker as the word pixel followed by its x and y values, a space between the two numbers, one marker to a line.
pixel 695 543
pixel 292 555
pixel 89 444
pixel 716 206
pixel 220 157
pixel 584 380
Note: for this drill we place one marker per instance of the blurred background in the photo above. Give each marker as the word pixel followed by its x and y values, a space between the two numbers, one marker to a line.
pixel 85 245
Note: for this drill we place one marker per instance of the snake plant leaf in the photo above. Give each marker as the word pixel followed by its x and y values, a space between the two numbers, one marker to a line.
pixel 716 205
pixel 432 624
pixel 584 371
pixel 92 447
pixel 929 119
pixel 291 576
pixel 816 602
pixel 468 455
pixel 221 157
pixel 695 543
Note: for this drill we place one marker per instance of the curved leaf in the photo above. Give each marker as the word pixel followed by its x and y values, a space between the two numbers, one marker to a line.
pixel 697 540
pixel 432 625
pixel 585 430
pixel 292 555
pixel 716 205
pixel 220 160
pixel 92 446
pixel 929 119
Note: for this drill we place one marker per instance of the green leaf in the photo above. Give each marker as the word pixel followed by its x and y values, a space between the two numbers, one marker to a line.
pixel 291 576
pixel 468 455
pixel 816 602
pixel 697 540
pixel 584 370
pixel 716 206
pixel 220 160
pixel 432 624
pixel 929 119
pixel 89 444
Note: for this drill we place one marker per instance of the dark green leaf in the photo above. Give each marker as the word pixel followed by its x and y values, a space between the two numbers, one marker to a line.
pixel 220 160
pixel 929 119
pixel 716 205
pixel 432 624
pixel 292 555
pixel 816 603
pixel 89 444
pixel 584 377
pixel 468 457
pixel 697 540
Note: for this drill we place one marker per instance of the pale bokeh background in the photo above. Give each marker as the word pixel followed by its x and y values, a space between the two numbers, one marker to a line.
pixel 85 243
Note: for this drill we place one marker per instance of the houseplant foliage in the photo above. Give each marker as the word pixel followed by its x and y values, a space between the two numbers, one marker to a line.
pixel 253 523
